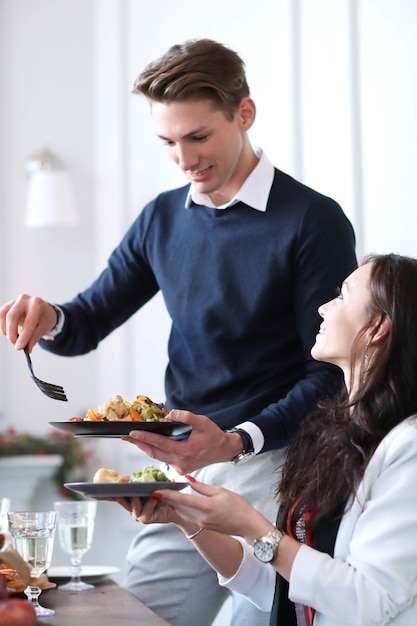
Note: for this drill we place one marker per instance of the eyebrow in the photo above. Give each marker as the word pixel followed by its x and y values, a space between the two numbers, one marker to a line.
pixel 197 131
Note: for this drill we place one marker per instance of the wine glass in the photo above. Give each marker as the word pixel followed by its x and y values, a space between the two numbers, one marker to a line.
pixel 32 535
pixel 75 528
pixel 4 508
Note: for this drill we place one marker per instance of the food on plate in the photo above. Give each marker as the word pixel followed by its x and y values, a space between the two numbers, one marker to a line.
pixel 149 474
pixel 11 561
pixel 13 580
pixel 104 475
pixel 15 569
pixel 16 584
pixel 142 409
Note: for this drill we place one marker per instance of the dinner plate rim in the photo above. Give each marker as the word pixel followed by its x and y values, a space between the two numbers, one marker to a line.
pixel 62 572
pixel 128 490
pixel 115 428
pixel 44 589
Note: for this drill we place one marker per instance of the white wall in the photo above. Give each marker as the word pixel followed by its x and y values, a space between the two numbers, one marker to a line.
pixel 336 102
pixel 47 71
pixel 336 96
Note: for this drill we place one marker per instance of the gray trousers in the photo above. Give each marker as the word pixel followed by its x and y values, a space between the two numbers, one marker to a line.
pixel 170 577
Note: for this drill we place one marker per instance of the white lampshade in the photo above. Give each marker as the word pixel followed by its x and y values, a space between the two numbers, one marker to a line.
pixel 50 199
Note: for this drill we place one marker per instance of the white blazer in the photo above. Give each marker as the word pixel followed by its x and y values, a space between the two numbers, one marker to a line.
pixel 372 579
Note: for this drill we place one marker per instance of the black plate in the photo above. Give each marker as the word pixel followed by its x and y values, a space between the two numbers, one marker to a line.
pixel 88 428
pixel 117 490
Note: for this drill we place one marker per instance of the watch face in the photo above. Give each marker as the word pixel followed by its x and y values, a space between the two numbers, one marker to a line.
pixel 264 550
pixel 242 457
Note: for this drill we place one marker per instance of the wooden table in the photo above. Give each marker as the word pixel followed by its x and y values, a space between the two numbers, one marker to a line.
pixel 107 604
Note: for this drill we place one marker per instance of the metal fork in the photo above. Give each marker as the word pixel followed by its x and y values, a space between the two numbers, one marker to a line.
pixel 52 391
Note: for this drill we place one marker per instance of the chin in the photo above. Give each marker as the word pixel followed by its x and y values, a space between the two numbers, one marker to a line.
pixel 317 354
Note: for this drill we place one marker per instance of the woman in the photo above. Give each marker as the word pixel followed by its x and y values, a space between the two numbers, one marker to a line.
pixel 345 547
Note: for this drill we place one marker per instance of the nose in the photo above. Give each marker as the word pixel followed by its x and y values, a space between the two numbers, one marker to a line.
pixel 185 157
pixel 322 308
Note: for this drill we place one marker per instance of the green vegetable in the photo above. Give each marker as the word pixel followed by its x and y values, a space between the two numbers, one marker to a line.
pixel 149 474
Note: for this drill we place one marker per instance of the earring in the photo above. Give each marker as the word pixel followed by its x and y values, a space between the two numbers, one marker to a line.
pixel 366 355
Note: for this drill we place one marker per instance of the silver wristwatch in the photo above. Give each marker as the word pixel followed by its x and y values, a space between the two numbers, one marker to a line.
pixel 266 547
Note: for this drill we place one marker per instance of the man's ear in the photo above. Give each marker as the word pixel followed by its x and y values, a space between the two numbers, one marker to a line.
pixel 246 113
pixel 383 330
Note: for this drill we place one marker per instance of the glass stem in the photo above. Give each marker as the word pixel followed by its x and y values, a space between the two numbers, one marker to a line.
pixel 75 570
pixel 32 593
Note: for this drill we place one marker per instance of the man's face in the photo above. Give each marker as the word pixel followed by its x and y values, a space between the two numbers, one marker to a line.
pixel 212 151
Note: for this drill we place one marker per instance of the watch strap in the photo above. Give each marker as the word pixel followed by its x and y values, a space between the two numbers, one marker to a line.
pixel 60 320
pixel 248 448
pixel 273 538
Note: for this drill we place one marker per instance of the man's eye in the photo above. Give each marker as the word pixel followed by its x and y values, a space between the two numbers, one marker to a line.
pixel 201 138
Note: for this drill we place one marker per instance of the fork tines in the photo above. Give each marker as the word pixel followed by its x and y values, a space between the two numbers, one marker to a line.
pixel 56 392
pixel 52 391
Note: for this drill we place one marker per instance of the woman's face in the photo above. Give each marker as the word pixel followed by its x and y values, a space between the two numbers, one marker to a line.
pixel 343 318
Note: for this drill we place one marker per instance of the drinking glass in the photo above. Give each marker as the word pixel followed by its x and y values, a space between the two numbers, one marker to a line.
pixel 76 528
pixel 32 535
pixel 4 509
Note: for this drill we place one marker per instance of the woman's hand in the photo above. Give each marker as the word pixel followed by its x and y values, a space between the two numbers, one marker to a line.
pixel 215 508
pixel 148 510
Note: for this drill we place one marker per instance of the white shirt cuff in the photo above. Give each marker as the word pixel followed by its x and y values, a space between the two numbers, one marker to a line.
pixel 253 579
pixel 255 434
pixel 58 326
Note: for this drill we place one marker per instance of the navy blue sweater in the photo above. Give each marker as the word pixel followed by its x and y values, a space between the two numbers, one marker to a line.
pixel 242 288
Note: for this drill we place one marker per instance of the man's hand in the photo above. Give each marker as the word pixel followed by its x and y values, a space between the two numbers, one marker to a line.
pixel 25 320
pixel 206 444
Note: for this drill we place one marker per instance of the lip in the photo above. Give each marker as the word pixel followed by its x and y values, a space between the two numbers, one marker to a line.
pixel 201 175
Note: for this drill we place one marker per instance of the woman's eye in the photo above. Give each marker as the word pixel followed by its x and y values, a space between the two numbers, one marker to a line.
pixel 339 293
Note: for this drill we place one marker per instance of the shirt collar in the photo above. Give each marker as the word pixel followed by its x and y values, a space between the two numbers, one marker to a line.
pixel 254 192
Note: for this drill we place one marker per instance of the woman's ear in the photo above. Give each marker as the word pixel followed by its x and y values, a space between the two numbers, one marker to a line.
pixel 383 329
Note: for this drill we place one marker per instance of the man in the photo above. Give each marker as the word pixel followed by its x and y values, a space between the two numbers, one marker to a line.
pixel 243 256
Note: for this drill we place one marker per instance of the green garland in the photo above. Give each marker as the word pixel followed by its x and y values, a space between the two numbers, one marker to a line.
pixel 74 456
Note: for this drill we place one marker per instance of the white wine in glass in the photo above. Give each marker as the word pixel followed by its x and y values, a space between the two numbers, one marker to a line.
pixel 76 527
pixel 32 535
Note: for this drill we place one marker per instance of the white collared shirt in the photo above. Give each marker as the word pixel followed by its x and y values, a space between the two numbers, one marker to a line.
pixel 254 192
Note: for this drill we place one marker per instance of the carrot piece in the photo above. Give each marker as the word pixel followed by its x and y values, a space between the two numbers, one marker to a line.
pixel 136 417
pixel 92 415
pixel 128 418
pixel 123 479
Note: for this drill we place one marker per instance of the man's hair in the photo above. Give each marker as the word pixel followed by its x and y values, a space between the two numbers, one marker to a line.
pixel 199 69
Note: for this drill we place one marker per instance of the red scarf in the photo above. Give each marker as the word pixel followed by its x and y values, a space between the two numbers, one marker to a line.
pixel 304 613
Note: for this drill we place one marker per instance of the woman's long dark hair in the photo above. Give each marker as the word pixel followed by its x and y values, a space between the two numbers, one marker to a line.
pixel 328 457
